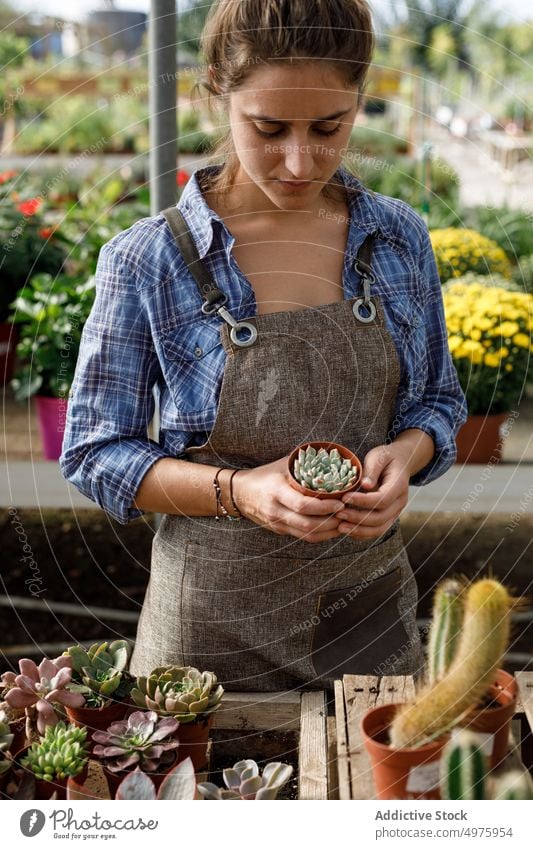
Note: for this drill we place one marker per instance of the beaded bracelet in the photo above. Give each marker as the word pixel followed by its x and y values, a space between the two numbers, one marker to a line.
pixel 220 509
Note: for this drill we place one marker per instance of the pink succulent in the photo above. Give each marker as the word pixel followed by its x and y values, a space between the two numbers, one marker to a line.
pixel 41 687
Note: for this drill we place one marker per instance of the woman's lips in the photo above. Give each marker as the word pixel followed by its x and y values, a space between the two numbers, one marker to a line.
pixel 295 186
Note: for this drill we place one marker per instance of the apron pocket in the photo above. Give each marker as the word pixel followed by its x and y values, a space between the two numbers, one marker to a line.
pixel 358 629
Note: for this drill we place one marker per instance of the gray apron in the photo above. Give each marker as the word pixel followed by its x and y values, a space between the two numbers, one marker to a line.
pixel 269 612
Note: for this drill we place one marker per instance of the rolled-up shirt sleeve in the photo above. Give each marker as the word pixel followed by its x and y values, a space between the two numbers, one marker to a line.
pixel 106 448
pixel 441 410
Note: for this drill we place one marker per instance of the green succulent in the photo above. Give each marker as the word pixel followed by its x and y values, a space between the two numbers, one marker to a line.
pixel 324 471
pixel 61 753
pixel 100 672
pixel 180 691
pixel 244 781
pixel 6 738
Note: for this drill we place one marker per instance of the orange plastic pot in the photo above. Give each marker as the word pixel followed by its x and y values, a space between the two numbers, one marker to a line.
pixel 194 738
pixel 494 722
pixel 114 779
pixel 345 453
pixel 97 719
pixel 400 773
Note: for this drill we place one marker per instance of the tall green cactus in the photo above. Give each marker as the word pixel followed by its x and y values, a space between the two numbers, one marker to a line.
pixel 464 768
pixel 513 785
pixel 482 645
pixel 446 624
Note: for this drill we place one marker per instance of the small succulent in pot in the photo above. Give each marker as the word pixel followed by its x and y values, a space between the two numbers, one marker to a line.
pixel 60 754
pixel 6 739
pixel 244 781
pixel 99 673
pixel 143 740
pixel 323 469
pixel 180 691
pixel 41 691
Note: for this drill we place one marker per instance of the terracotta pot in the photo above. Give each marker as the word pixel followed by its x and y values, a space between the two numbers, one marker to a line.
pixel 345 453
pixel 194 737
pixel 97 719
pixel 115 778
pixel 480 439
pixel 17 727
pixel 51 416
pixel 400 773
pixel 494 723
pixel 8 343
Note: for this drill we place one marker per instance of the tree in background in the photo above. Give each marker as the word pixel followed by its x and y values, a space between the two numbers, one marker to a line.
pixel 191 20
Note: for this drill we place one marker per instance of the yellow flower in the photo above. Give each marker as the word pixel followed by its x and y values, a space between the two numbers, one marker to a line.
pixel 521 340
pixel 509 328
pixel 492 360
pixel 508 367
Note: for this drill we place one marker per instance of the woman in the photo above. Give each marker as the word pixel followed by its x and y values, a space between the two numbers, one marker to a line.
pixel 279 302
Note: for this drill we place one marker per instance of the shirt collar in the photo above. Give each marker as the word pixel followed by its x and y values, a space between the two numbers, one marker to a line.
pixel 200 217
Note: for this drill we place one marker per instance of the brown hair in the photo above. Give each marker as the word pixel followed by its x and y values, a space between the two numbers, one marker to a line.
pixel 239 34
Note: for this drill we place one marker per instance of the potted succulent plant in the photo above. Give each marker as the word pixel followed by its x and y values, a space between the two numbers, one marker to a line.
pixel 61 753
pixel 402 738
pixel 323 469
pixel 6 741
pixel 191 697
pixel 100 675
pixel 179 783
pixel 41 691
pixel 244 781
pixel 16 719
pixel 143 741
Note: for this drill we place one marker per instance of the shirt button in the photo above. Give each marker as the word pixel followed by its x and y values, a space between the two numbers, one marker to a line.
pixel 198 352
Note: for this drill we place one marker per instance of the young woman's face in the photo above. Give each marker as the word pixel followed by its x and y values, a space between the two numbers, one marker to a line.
pixel 290 127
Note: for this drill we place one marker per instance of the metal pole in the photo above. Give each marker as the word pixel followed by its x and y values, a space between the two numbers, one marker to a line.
pixel 162 69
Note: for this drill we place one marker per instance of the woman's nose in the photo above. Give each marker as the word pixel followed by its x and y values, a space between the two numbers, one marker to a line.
pixel 299 160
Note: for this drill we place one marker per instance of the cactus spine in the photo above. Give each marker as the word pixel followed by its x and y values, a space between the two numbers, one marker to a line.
pixel 513 785
pixel 447 620
pixel 483 642
pixel 464 768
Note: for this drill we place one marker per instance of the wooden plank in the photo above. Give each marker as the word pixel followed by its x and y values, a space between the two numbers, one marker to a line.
pixel 259 711
pixel 313 766
pixel 525 689
pixel 343 762
pixel 362 692
pixel 333 773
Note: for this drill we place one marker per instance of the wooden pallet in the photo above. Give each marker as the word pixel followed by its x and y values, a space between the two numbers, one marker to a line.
pixel 355 694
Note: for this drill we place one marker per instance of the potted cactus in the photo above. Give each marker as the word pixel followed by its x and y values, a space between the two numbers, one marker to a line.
pixel 323 469
pixel 191 697
pixel 42 692
pixel 244 781
pixel 61 753
pixel 400 738
pixel 465 773
pixel 100 675
pixel 143 741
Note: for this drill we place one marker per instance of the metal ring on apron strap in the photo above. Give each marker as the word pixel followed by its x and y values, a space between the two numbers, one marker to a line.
pixel 364 319
pixel 237 327
pixel 368 279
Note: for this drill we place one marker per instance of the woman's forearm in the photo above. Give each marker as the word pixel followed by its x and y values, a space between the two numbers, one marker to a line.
pixel 182 488
pixel 416 447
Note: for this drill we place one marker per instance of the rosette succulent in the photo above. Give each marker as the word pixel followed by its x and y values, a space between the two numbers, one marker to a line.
pixel 180 691
pixel 61 753
pixel 99 673
pixel 40 688
pixel 243 781
pixel 6 738
pixel 324 471
pixel 142 740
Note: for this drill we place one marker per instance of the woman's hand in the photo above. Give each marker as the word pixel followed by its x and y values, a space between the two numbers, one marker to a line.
pixel 384 492
pixel 265 497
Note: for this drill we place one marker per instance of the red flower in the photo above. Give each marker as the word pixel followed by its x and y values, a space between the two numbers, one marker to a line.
pixel 7 175
pixel 29 207
pixel 46 232
pixel 182 178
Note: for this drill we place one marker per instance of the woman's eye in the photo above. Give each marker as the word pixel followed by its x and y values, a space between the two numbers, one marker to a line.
pixel 320 132
pixel 269 135
pixel 329 132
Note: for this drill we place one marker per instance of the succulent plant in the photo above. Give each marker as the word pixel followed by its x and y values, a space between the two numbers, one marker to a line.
pixel 6 738
pixel 180 691
pixel 144 739
pixel 483 641
pixel 514 785
pixel 446 624
pixel 464 768
pixel 40 688
pixel 61 753
pixel 324 471
pixel 243 781
pixel 99 673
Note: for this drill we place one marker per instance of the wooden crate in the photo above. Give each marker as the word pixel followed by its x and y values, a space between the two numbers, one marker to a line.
pixel 302 712
pixel 355 694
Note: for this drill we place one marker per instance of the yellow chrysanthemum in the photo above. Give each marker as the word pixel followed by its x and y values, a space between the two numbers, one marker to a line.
pixel 492 360
pixel 508 328
pixel 522 340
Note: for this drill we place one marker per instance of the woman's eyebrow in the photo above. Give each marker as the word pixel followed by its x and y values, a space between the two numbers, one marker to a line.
pixel 269 120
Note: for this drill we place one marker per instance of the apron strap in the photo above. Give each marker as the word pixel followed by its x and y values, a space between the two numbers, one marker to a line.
pixel 364 308
pixel 209 291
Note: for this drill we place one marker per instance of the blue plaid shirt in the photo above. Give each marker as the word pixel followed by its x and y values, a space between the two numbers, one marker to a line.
pixel 146 330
